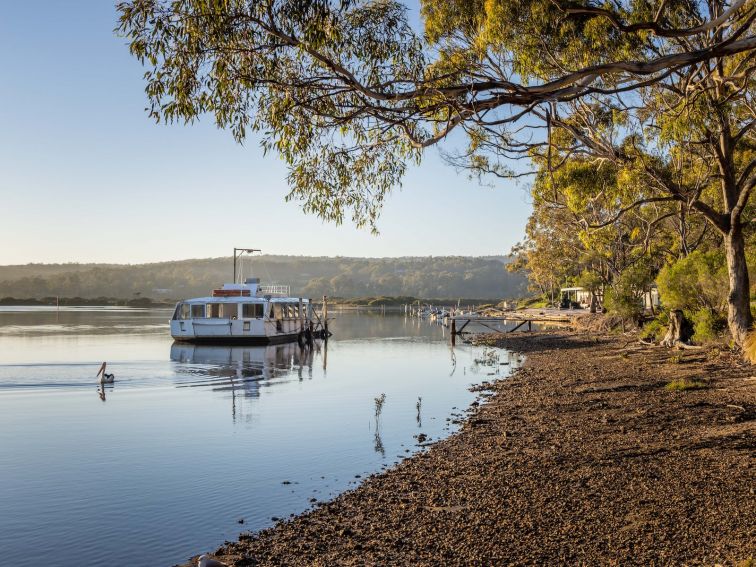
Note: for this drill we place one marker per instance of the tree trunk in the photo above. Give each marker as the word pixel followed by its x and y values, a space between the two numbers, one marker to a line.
pixel 675 332
pixel 594 302
pixel 651 303
pixel 739 318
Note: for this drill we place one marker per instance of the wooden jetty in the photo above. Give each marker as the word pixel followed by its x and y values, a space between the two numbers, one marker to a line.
pixel 522 318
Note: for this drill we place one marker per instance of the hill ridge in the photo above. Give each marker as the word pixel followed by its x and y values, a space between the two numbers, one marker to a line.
pixel 419 276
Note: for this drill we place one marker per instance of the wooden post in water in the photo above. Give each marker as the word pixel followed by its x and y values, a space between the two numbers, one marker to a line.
pixel 453 332
pixel 325 316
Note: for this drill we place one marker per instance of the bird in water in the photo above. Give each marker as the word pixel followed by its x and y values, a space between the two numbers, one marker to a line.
pixel 105 378
pixel 207 561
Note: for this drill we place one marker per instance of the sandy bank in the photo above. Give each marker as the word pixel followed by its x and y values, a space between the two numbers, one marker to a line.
pixel 583 457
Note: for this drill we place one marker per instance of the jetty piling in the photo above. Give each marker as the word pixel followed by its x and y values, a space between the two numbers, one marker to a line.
pixel 325 316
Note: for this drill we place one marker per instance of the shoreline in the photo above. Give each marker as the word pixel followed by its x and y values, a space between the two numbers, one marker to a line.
pixel 581 456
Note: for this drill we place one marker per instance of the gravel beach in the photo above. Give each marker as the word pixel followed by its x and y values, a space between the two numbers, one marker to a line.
pixel 583 457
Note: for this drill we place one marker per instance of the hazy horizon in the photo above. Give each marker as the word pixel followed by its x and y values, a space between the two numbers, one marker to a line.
pixel 229 257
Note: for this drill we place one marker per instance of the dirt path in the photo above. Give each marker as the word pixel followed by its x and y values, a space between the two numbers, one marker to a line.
pixel 583 457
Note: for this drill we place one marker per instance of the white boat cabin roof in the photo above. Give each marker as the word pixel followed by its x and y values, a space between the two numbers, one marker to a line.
pixel 248 292
pixel 243 299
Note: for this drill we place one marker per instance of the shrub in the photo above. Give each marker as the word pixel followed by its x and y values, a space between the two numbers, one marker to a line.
pixel 707 325
pixel 625 298
pixel 623 302
pixel 695 282
pixel 655 329
pixel 536 302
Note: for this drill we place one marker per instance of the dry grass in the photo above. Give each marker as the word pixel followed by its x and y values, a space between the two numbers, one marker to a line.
pixel 682 384
pixel 749 347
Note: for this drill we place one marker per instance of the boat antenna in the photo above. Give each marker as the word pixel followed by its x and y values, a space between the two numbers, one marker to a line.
pixel 239 252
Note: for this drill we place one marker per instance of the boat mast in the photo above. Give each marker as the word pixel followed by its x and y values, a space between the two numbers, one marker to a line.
pixel 238 252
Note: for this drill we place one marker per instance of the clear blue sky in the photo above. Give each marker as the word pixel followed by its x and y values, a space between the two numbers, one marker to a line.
pixel 86 176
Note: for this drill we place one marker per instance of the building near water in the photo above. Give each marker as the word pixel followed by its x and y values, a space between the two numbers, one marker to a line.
pixel 572 296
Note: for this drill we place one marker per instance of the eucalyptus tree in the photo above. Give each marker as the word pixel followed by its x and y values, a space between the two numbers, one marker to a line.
pixel 687 141
pixel 575 233
pixel 550 254
pixel 684 137
pixel 348 93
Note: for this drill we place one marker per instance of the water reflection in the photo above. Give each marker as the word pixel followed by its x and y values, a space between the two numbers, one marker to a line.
pixel 377 441
pixel 225 367
pixel 78 321
pixel 295 434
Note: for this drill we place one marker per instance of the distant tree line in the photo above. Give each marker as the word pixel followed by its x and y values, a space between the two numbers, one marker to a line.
pixel 79 301
pixel 448 277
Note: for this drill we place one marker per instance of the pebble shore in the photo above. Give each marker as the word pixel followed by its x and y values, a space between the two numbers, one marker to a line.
pixel 582 457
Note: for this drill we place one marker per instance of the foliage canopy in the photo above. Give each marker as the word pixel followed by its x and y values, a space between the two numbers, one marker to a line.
pixel 348 93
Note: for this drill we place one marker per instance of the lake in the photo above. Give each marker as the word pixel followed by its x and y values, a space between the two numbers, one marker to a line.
pixel 193 445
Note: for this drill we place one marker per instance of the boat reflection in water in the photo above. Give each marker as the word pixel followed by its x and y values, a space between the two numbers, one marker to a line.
pixel 231 367
pixel 242 370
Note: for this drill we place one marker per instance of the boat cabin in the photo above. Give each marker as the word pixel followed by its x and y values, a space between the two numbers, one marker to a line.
pixel 246 312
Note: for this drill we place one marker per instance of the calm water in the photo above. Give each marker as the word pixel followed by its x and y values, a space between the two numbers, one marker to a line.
pixel 189 440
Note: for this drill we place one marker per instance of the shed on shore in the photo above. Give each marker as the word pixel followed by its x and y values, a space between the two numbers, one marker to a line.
pixel 578 295
pixel 581 296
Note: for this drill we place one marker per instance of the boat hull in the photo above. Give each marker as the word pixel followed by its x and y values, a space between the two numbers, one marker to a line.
pixel 237 340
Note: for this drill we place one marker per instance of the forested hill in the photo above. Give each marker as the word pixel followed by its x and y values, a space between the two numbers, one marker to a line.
pixel 426 277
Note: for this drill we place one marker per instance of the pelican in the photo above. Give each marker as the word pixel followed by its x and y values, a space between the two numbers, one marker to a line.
pixel 105 378
pixel 207 561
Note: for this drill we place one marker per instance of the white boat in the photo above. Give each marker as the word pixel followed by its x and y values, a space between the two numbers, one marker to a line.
pixel 246 313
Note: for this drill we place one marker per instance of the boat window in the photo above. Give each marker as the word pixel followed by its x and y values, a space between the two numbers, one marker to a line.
pixel 184 311
pixel 176 312
pixel 213 310
pixel 278 311
pixel 229 310
pixel 198 311
pixel 252 310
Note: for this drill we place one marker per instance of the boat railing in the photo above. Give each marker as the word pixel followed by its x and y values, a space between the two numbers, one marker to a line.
pixel 277 290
